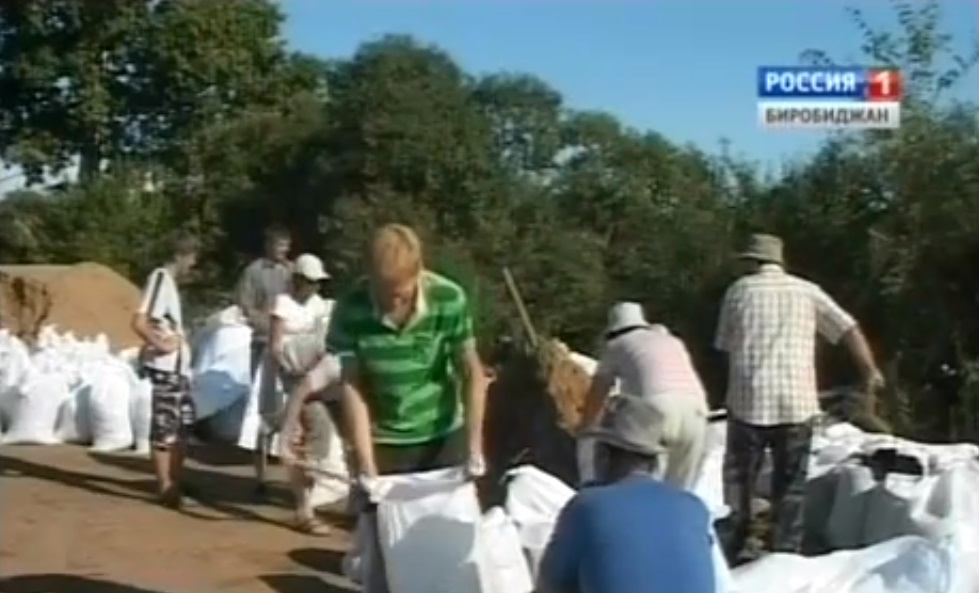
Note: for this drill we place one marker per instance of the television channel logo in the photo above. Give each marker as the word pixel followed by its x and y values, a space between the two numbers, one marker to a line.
pixel 805 98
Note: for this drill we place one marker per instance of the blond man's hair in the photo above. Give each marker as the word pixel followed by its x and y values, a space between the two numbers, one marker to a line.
pixel 396 253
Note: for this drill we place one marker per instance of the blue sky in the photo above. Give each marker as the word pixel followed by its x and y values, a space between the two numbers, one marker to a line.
pixel 685 68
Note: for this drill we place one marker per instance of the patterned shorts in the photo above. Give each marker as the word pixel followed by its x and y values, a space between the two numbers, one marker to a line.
pixel 172 408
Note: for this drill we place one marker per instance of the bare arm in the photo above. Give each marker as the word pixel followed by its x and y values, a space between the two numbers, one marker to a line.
pixel 291 427
pixel 859 349
pixel 725 321
pixel 836 325
pixel 358 420
pixel 142 327
pixel 475 396
pixel 341 342
pixel 276 336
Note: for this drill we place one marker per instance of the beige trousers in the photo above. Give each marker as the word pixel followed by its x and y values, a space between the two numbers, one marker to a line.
pixel 685 434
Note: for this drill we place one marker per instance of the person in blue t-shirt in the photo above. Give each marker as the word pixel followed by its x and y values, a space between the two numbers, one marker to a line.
pixel 630 533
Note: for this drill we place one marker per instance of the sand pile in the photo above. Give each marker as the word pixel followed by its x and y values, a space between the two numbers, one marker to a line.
pixel 86 299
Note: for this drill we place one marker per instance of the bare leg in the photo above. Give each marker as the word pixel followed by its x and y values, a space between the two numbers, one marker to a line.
pixel 177 454
pixel 300 484
pixel 163 468
pixel 261 460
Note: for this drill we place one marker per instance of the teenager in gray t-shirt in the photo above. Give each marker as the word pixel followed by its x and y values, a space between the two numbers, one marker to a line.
pixel 262 280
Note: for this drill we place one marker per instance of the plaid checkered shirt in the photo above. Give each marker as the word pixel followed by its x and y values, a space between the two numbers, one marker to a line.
pixel 768 326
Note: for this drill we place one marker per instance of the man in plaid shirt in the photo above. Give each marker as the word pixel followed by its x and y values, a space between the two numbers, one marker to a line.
pixel 768 325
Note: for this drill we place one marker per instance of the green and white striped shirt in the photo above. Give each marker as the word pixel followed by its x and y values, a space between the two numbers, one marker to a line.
pixel 411 375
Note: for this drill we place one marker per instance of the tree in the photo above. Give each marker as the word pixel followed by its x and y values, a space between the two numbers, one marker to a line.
pixel 120 81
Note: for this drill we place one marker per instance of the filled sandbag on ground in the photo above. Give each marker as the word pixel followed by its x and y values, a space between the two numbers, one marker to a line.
pixel 37 402
pixel 112 428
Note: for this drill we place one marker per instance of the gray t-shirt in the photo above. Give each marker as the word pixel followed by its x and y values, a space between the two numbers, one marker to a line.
pixel 260 283
pixel 161 304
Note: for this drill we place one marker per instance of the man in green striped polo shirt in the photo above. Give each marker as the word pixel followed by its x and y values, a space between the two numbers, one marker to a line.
pixel 414 390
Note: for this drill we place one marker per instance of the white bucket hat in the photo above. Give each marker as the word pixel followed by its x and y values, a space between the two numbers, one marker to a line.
pixel 310 267
pixel 625 315
pixel 763 248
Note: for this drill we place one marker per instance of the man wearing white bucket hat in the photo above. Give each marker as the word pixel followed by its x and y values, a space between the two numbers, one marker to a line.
pixel 651 363
pixel 768 325
pixel 632 533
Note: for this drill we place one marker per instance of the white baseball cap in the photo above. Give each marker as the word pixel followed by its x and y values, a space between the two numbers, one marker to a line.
pixel 310 267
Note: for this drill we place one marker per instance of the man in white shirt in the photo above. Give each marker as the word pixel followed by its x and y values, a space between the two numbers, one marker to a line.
pixel 651 363
pixel 165 360
pixel 768 325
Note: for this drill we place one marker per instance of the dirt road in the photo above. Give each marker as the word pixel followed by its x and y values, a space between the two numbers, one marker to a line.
pixel 71 522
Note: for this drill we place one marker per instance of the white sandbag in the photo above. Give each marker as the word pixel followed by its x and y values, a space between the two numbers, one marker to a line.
pixel 112 428
pixel 225 426
pixel 141 413
pixel 904 565
pixel 505 556
pixel 534 496
pixel 362 563
pixel 429 532
pixel 845 527
pixel 332 485
pixel 252 423
pixel 35 411
pixel 723 580
pixel 9 397
pixel 533 501
pixel 930 506
pixel 75 415
pixel 534 538
pixel 222 369
pixel 15 363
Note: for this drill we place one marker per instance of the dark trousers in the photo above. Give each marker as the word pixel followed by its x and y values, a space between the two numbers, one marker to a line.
pixel 746 446
pixel 257 352
pixel 448 451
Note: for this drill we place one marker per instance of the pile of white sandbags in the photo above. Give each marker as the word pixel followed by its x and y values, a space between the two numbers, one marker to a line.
pixel 70 390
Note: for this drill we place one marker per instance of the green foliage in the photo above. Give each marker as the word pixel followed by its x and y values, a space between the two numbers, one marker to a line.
pixel 201 97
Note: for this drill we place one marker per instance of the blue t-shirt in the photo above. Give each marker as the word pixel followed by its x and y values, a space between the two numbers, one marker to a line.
pixel 638 535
